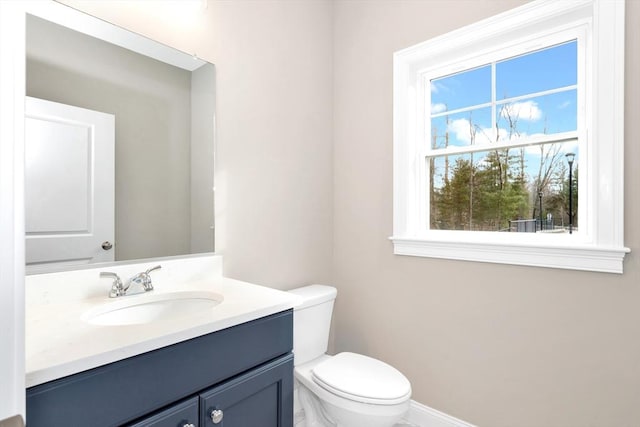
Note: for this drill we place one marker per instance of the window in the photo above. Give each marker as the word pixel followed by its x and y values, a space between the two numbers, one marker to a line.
pixel 501 152
pixel 499 134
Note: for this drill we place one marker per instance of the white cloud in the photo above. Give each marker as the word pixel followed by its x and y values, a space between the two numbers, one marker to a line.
pixel 438 108
pixel 527 110
pixel 461 128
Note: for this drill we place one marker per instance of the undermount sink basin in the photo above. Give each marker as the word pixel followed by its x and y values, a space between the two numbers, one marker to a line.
pixel 150 307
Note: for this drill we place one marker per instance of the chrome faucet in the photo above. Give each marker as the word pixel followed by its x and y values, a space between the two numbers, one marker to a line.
pixel 118 289
pixel 143 279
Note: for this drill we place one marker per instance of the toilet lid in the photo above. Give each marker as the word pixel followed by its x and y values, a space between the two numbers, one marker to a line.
pixel 363 379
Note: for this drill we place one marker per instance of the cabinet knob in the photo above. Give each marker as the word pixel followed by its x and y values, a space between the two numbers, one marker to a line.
pixel 189 425
pixel 216 415
pixel 107 245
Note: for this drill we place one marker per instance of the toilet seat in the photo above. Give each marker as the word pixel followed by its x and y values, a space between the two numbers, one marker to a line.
pixel 362 379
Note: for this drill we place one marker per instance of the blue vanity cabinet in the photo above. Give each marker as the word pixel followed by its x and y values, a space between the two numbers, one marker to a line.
pixel 245 368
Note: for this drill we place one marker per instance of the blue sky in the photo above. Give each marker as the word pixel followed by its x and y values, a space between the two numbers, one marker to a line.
pixel 522 77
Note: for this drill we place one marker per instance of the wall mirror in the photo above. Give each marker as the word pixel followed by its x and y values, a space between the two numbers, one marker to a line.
pixel 87 82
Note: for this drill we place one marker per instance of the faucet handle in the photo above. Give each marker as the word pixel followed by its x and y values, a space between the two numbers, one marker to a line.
pixel 157 267
pixel 146 278
pixel 116 287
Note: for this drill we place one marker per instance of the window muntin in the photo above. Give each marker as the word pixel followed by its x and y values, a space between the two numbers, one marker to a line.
pixel 516 104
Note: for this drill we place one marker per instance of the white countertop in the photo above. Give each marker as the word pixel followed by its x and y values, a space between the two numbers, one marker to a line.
pixel 60 343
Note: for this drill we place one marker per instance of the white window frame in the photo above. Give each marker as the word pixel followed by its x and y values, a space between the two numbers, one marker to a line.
pixel 598 245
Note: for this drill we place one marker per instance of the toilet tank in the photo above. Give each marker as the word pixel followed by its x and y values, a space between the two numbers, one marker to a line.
pixel 311 321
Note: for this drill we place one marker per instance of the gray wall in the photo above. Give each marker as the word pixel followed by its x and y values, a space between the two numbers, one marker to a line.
pixel 202 157
pixel 151 102
pixel 274 157
pixel 492 344
pixel 305 152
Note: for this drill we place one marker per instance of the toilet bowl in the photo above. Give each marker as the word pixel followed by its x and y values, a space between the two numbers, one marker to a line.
pixel 345 390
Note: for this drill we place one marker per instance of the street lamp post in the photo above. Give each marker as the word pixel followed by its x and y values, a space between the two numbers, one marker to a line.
pixel 540 197
pixel 570 157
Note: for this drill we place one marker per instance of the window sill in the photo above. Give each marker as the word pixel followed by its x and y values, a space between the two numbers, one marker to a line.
pixel 584 257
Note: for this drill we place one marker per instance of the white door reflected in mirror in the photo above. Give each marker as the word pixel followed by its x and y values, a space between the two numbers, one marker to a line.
pixel 69 195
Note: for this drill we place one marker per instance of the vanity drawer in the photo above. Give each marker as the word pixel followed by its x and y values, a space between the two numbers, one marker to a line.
pixel 183 414
pixel 126 390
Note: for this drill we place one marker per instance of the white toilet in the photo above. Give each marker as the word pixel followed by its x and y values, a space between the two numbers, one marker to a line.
pixel 345 390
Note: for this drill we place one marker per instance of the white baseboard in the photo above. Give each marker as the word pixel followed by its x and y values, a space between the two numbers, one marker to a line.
pixel 423 416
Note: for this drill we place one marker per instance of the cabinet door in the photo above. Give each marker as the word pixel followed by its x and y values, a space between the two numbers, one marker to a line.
pixel 262 397
pixel 184 414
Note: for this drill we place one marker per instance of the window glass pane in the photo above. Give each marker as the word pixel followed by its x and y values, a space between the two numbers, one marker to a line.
pixel 504 190
pixel 462 129
pixel 465 89
pixel 546 114
pixel 538 71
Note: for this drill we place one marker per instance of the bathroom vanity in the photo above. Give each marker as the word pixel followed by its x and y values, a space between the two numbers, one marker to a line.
pixel 241 375
pixel 231 365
